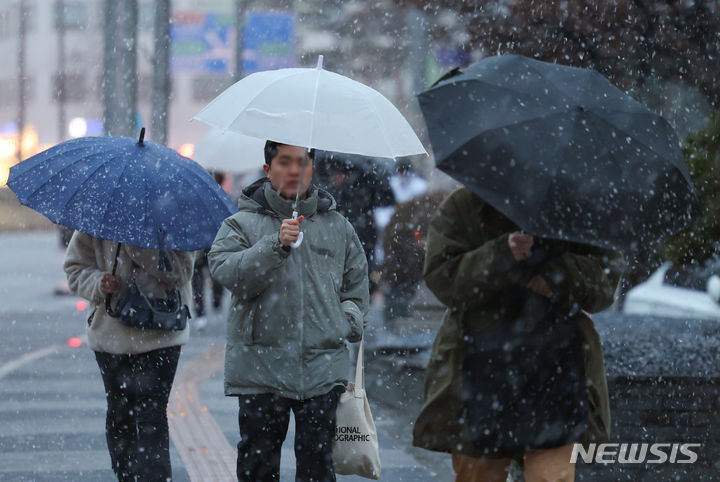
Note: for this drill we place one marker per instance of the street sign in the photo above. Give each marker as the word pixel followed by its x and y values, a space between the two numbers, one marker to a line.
pixel 268 41
pixel 201 42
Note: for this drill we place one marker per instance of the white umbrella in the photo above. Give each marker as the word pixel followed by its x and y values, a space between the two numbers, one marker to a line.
pixel 229 151
pixel 313 108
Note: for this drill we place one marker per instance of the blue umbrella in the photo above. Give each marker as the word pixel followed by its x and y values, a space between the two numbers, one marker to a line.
pixel 116 188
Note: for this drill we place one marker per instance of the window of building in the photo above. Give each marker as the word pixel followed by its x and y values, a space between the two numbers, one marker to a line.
pixel 8 23
pixel 74 87
pixel 9 91
pixel 71 15
pixel 9 15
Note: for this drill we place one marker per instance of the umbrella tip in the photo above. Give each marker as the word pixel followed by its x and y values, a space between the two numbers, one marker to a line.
pixel 141 141
pixel 320 62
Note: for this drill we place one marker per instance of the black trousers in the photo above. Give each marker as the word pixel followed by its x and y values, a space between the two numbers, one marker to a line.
pixel 201 270
pixel 137 388
pixel 263 421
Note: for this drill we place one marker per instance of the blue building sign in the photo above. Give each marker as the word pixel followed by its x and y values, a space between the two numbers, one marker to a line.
pixel 268 41
pixel 202 42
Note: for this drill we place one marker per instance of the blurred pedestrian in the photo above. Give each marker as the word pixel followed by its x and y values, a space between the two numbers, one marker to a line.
pixel 406 183
pixel 64 235
pixel 137 365
pixel 359 185
pixel 201 274
pixel 404 247
pixel 516 370
pixel 293 311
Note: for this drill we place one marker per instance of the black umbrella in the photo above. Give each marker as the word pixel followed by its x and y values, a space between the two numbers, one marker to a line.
pixel 560 151
pixel 367 183
pixel 368 166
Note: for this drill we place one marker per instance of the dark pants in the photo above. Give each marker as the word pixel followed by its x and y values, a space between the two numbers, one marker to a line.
pixel 200 272
pixel 264 422
pixel 398 299
pixel 137 388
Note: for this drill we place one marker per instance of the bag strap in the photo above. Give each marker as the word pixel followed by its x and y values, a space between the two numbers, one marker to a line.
pixel 108 297
pixel 360 368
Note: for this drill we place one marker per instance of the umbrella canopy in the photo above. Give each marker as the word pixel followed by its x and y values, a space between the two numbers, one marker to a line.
pixel 313 108
pixel 229 151
pixel 365 187
pixel 117 188
pixel 560 151
pixel 373 167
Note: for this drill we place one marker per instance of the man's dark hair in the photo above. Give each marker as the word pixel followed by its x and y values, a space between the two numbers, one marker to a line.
pixel 271 150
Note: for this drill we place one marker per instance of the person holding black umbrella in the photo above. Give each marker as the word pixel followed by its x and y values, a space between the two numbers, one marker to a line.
pixel 516 370
pixel 561 171
pixel 359 185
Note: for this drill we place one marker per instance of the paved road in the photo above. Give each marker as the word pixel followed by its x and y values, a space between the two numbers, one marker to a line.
pixel 52 404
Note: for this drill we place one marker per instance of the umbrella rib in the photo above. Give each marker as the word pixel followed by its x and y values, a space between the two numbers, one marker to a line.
pixel 514 125
pixel 148 218
pixel 85 181
pixel 471 80
pixel 618 162
pixel 452 85
pixel 564 111
pixel 650 148
pixel 203 178
pixel 561 92
pixel 40 185
pixel 558 164
pixel 505 126
pixel 596 74
pixel 210 183
pixel 202 201
pixel 314 107
pixel 117 186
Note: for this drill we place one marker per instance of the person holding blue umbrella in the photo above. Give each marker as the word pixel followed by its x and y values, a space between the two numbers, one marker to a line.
pixel 137 365
pixel 139 210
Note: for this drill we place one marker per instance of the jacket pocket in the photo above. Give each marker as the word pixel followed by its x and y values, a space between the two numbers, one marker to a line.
pixel 243 322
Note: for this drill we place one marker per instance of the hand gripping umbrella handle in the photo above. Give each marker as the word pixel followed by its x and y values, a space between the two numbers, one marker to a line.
pixel 296 244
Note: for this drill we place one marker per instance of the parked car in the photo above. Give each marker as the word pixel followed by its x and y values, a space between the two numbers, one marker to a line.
pixel 677 293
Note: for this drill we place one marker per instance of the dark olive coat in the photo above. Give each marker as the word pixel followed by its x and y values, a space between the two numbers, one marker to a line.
pixel 470 268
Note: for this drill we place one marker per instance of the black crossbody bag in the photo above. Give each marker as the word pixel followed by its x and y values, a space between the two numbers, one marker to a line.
pixel 136 310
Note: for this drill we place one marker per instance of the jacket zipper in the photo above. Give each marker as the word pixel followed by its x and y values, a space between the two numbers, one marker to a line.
pixel 302 323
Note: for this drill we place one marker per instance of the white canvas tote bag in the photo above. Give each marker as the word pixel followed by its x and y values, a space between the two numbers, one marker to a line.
pixel 355 446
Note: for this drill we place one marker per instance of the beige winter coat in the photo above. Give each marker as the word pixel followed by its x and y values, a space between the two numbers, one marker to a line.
pixel 88 259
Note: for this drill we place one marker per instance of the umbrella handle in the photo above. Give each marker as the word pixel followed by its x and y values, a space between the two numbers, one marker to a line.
pixel 296 244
